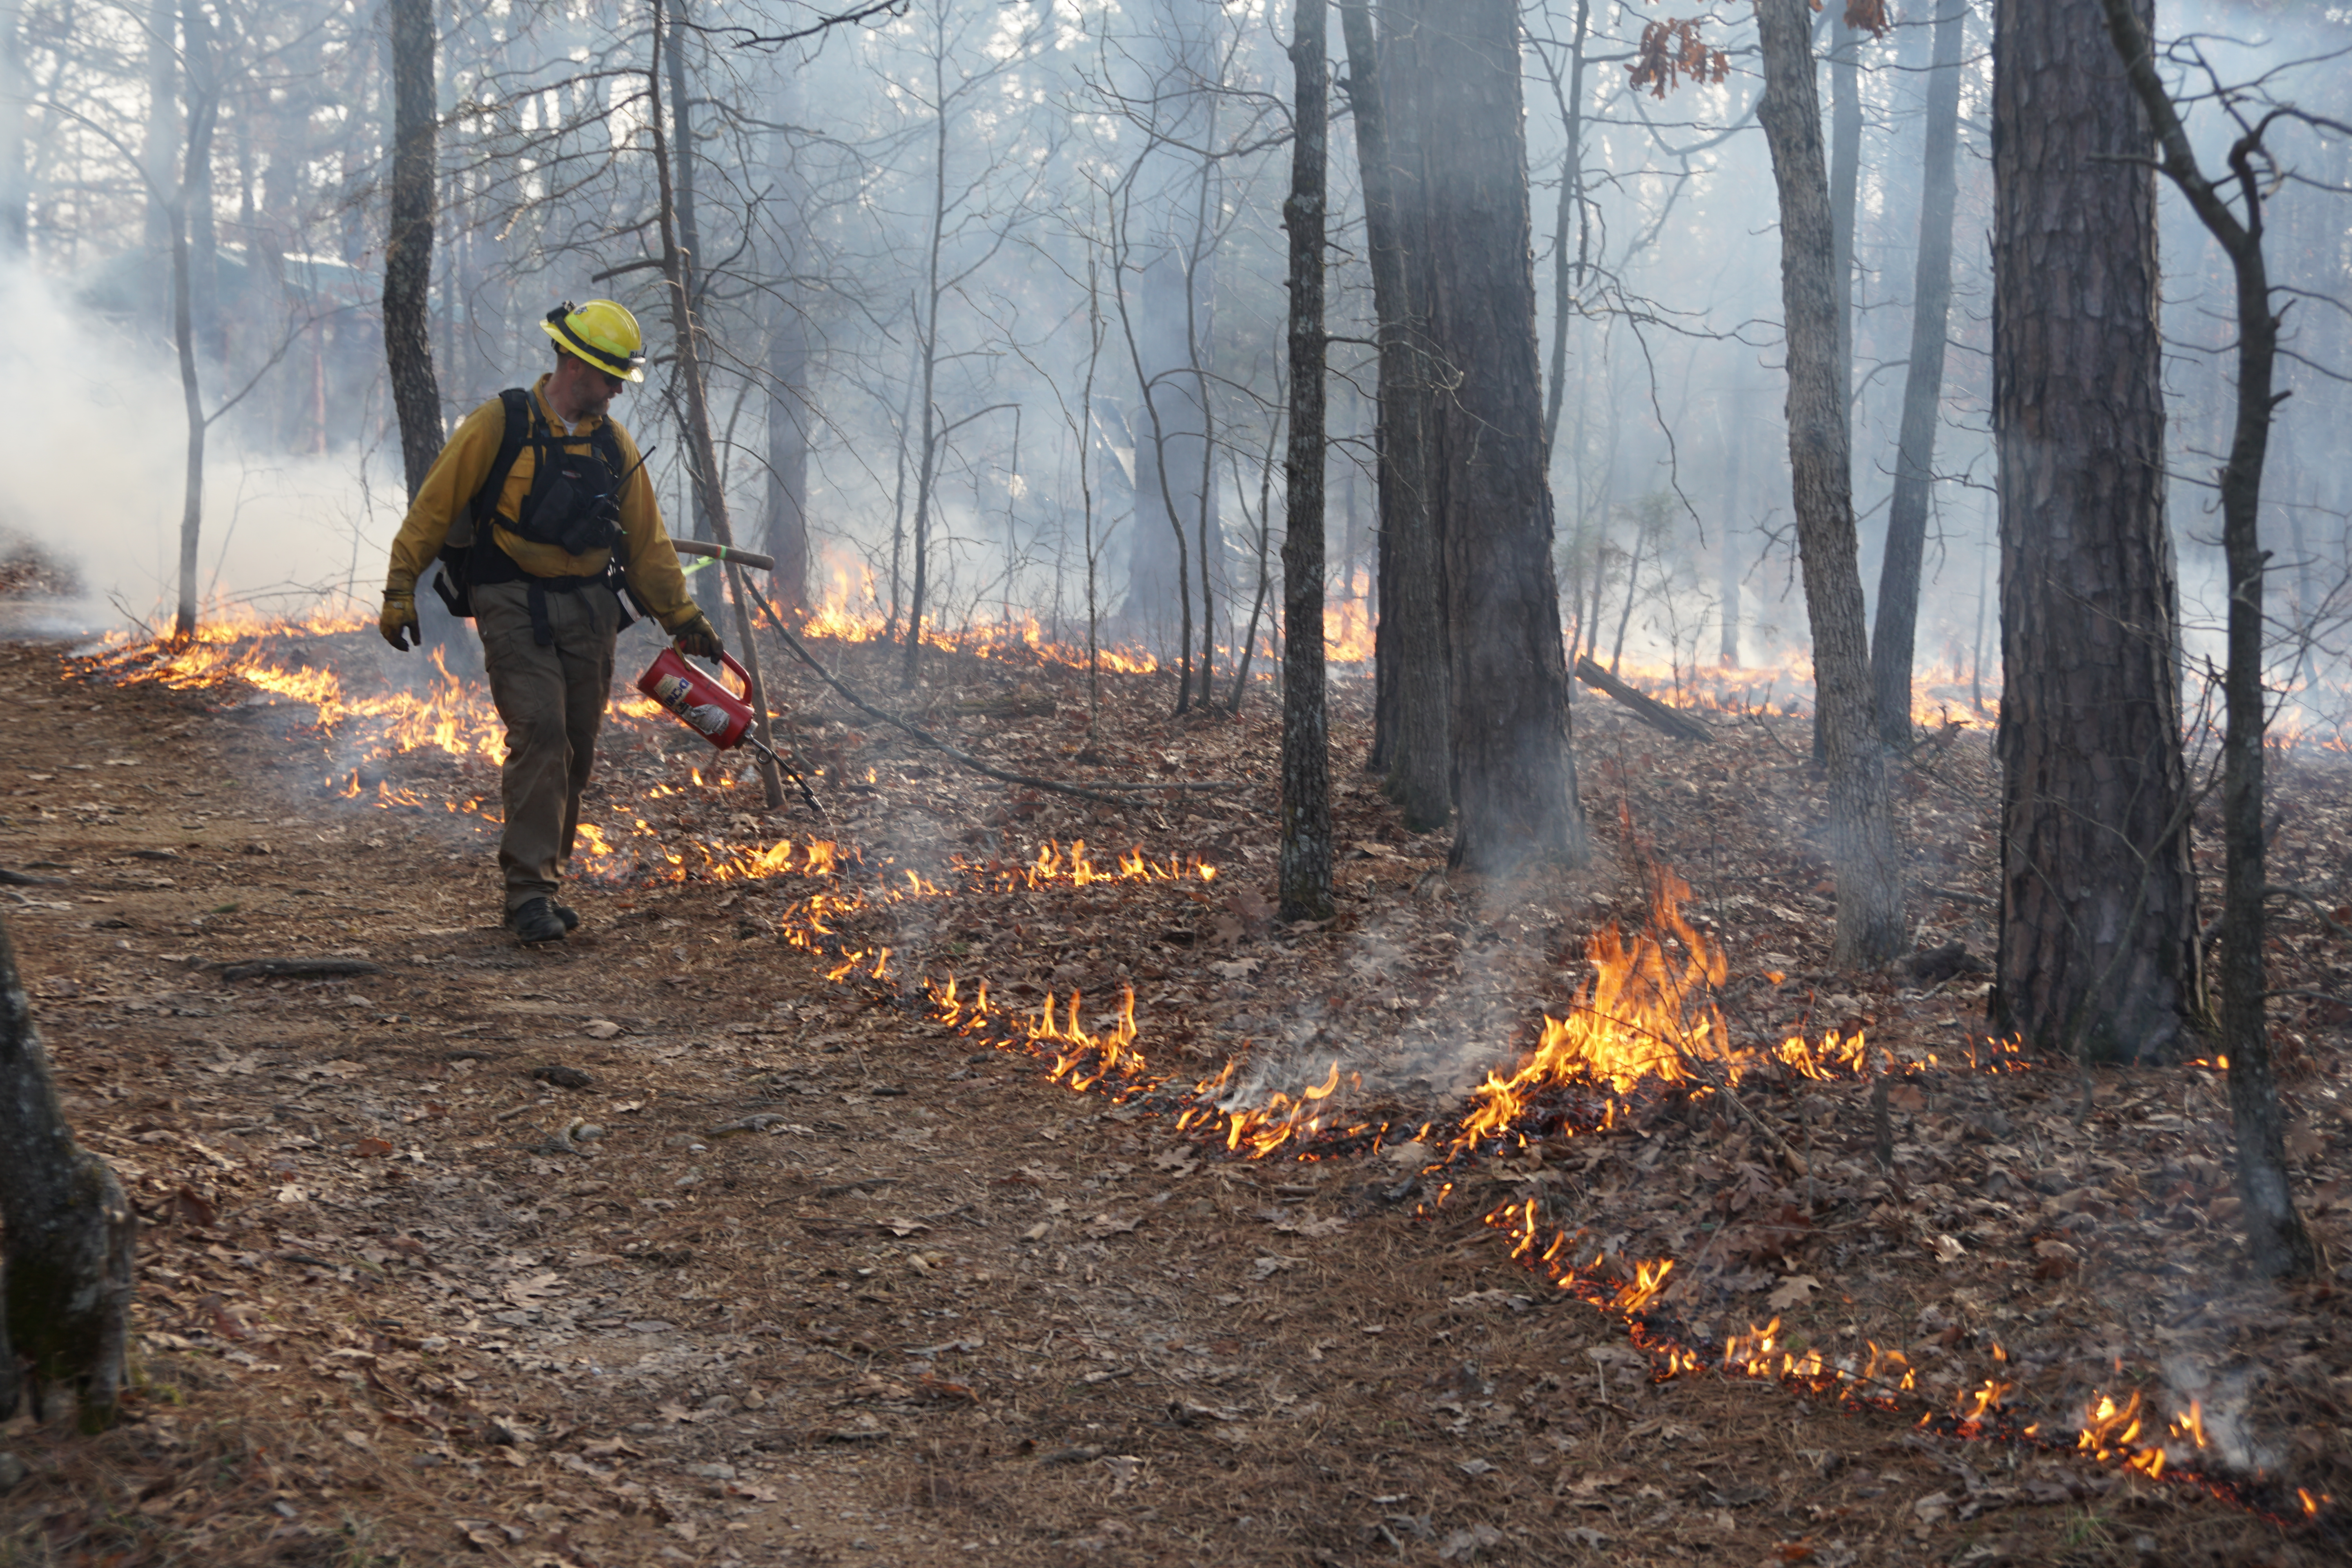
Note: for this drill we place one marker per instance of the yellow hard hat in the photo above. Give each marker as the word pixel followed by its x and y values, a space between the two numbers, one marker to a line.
pixel 602 333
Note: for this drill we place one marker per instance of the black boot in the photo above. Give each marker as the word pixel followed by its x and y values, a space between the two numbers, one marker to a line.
pixel 538 920
pixel 569 917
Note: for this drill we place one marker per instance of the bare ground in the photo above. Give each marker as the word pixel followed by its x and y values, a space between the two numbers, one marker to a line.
pixel 931 1306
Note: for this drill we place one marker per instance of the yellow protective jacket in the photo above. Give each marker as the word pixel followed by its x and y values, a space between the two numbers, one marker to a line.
pixel 464 466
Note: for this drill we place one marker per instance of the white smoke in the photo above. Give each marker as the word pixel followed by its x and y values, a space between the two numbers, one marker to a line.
pixel 97 474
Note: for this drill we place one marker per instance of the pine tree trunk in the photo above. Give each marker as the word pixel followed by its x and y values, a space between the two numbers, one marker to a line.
pixel 1923 390
pixel 1862 824
pixel 1514 773
pixel 1412 702
pixel 2097 947
pixel 408 241
pixel 68 1235
pixel 1305 866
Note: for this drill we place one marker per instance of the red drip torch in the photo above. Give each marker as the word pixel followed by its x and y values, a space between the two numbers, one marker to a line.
pixel 717 714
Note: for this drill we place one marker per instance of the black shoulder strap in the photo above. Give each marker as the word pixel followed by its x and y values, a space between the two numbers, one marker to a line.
pixel 520 417
pixel 608 446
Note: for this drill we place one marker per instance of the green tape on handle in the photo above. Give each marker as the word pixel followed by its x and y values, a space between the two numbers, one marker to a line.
pixel 722 553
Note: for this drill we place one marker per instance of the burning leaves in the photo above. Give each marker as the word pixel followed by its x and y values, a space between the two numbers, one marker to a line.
pixel 1079 1022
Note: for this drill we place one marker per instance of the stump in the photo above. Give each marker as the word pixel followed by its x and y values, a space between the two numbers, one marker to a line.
pixel 66 1255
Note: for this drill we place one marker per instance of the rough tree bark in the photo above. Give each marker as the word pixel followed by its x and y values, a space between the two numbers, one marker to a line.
pixel 1923 390
pixel 2275 1234
pixel 1412 700
pixel 1305 866
pixel 1862 823
pixel 68 1235
pixel 2097 947
pixel 705 450
pixel 408 241
pixel 1514 774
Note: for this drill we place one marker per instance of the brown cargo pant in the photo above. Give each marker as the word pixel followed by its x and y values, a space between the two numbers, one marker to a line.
pixel 552 699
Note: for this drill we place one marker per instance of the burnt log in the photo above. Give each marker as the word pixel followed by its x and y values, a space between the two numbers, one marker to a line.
pixel 66 1254
pixel 1672 721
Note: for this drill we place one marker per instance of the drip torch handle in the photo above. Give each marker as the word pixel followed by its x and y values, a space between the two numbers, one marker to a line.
pixel 726 661
pixel 727 552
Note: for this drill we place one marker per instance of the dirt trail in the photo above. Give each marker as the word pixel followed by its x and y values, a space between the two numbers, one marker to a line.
pixel 401 1301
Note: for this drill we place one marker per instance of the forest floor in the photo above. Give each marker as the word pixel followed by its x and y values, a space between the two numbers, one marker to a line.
pixel 843 1282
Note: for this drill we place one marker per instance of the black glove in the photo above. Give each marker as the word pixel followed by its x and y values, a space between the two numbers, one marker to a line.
pixel 698 638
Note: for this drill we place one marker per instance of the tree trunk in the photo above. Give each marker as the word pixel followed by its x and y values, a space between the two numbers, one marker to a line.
pixel 1845 187
pixel 2275 1234
pixel 706 586
pixel 705 451
pixel 159 152
pixel 1862 823
pixel 204 242
pixel 1514 774
pixel 1305 866
pixel 2097 949
pixel 1166 342
pixel 68 1235
pixel 196 185
pixel 1412 701
pixel 784 525
pixel 1923 390
pixel 15 94
pixel 1571 205
pixel 408 241
pixel 927 348
pixel 1734 429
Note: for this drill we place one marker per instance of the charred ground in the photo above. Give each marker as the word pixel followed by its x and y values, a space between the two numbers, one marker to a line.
pixel 928 1306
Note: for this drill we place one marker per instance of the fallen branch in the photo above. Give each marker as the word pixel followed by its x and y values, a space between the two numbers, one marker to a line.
pixel 2327 916
pixel 2311 997
pixel 2276 890
pixel 1668 721
pixel 301 969
pixel 20 879
pixel 1102 793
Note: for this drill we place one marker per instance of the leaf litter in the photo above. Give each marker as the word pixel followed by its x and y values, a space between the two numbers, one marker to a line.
pixel 373 1316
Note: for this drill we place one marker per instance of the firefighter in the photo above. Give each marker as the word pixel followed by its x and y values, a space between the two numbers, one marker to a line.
pixel 572 528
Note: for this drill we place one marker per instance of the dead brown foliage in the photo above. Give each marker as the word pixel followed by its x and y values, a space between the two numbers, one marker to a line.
pixel 395 1308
